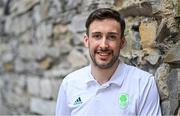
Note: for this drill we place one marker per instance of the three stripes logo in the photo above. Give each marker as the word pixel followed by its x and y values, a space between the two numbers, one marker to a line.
pixel 78 101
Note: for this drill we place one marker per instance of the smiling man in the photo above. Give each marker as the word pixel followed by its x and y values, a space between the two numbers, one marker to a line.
pixel 107 87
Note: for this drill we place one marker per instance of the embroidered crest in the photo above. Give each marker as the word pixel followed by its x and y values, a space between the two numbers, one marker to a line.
pixel 123 100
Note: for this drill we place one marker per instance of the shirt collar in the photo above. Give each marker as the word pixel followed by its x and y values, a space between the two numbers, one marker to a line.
pixel 89 78
pixel 119 75
pixel 117 78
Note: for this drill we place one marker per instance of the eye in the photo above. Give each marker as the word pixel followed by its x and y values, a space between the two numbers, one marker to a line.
pixel 112 37
pixel 96 36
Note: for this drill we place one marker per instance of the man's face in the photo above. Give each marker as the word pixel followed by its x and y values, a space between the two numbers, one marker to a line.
pixel 104 42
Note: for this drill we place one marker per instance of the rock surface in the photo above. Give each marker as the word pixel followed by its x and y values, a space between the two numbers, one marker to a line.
pixel 41 41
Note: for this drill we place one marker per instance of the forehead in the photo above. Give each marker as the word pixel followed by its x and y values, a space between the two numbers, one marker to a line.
pixel 106 25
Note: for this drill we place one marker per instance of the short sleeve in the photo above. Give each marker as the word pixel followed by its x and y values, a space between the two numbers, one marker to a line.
pixel 62 108
pixel 149 103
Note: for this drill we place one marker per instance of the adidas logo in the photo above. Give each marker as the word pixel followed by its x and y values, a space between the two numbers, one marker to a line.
pixel 78 101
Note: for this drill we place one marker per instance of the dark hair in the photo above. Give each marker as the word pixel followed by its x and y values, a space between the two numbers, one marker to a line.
pixel 105 13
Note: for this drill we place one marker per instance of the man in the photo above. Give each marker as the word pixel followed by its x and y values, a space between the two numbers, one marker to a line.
pixel 107 87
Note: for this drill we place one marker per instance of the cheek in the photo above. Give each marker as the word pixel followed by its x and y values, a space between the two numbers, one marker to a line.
pixel 93 45
pixel 92 49
pixel 116 48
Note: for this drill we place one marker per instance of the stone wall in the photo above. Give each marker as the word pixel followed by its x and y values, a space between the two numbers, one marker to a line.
pixel 41 42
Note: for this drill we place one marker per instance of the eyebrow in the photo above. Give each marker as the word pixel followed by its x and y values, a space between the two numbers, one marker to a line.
pixel 111 33
pixel 96 33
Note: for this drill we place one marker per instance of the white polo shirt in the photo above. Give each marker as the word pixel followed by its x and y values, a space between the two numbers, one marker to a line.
pixel 130 91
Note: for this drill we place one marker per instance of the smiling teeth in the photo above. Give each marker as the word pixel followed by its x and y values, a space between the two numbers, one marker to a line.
pixel 104 54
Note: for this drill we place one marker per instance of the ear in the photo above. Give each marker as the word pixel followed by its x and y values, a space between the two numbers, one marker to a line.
pixel 86 40
pixel 123 42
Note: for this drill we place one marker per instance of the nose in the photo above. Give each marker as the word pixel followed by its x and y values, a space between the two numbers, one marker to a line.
pixel 104 43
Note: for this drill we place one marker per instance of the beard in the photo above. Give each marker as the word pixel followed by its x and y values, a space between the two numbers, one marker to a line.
pixel 107 65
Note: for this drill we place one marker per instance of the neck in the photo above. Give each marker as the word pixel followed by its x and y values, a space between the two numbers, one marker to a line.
pixel 103 75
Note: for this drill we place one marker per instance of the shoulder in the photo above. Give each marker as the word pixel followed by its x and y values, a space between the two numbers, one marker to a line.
pixel 144 78
pixel 138 76
pixel 137 72
pixel 77 75
pixel 139 79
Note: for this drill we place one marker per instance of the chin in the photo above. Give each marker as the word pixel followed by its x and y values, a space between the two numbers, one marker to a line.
pixel 104 65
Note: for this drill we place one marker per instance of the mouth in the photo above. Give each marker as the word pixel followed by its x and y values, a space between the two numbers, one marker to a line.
pixel 103 55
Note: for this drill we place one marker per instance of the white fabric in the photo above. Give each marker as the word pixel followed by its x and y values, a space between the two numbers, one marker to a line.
pixel 81 95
